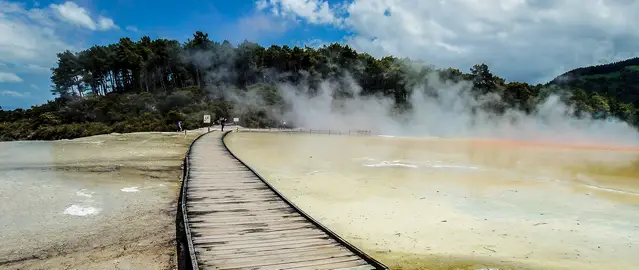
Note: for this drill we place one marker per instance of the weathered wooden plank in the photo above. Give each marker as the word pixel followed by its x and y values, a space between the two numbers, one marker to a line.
pixel 213 181
pixel 282 251
pixel 271 246
pixel 251 228
pixel 207 210
pixel 292 261
pixel 291 248
pixel 259 236
pixel 228 221
pixel 278 257
pixel 236 200
pixel 359 267
pixel 242 214
pixel 194 207
pixel 228 192
pixel 211 189
pixel 280 223
pixel 217 233
pixel 254 241
pixel 352 264
pixel 247 205
pixel 229 195
pixel 227 184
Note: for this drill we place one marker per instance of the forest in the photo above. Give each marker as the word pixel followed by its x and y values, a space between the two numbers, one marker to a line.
pixel 150 84
pixel 619 80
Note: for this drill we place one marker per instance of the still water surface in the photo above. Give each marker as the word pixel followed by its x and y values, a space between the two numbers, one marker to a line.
pixel 60 196
pixel 435 203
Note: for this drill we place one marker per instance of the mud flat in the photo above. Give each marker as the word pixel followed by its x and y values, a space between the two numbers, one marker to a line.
pixel 460 204
pixel 102 202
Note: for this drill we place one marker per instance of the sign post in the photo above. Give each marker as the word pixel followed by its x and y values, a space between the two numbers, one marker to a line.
pixel 207 120
pixel 236 120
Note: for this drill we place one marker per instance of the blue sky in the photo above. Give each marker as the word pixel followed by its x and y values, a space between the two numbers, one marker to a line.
pixel 232 20
pixel 524 41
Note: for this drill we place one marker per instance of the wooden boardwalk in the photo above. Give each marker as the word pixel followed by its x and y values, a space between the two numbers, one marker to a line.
pixel 236 220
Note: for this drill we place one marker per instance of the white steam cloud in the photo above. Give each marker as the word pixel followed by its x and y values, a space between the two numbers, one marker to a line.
pixel 449 114
pixel 439 108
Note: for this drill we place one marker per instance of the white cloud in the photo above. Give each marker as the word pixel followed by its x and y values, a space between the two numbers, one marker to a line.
pixel 13 93
pixel 6 77
pixel 28 35
pixel 33 68
pixel 313 11
pixel 105 23
pixel 132 29
pixel 254 26
pixel 531 40
pixel 74 14
pixel 31 37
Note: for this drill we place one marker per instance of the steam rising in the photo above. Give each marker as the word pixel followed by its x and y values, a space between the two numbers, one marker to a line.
pixel 439 108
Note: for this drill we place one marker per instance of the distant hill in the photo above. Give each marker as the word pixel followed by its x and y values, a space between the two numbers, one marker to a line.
pixel 619 80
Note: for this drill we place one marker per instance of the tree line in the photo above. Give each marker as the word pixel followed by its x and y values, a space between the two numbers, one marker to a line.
pixel 150 84
pixel 618 80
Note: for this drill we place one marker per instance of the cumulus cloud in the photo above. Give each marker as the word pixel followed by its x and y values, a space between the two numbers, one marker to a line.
pixel 314 11
pixel 28 35
pixel 74 14
pixel 6 77
pixel 106 23
pixel 31 37
pixel 530 40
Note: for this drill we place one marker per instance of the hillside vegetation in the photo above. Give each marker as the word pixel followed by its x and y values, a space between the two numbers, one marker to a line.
pixel 150 84
pixel 618 80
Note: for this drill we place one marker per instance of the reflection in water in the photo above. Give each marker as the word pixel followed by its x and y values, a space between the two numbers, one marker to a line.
pixel 436 202
pixel 58 194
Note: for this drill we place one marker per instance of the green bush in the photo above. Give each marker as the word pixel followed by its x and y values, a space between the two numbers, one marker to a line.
pixel 72 117
pixel 97 128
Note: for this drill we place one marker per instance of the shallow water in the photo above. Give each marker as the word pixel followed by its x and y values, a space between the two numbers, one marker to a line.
pixel 58 196
pixel 441 203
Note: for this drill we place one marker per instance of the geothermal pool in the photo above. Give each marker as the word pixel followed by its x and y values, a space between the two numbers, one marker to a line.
pixel 110 196
pixel 460 204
